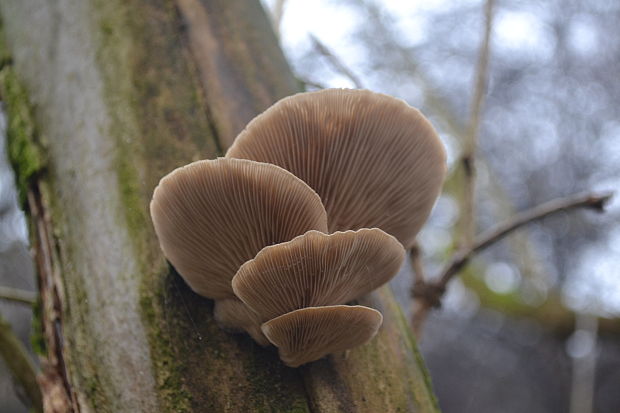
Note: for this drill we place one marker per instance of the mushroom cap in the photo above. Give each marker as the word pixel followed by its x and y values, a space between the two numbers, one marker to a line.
pixel 317 269
pixel 311 333
pixel 212 216
pixel 231 314
pixel 374 160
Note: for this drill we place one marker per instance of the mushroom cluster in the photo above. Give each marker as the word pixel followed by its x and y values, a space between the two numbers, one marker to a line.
pixel 311 208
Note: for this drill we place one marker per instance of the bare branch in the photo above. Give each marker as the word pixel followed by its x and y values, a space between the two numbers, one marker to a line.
pixel 584 200
pixel 419 313
pixel 415 258
pixel 277 14
pixel 419 280
pixel 428 295
pixel 311 83
pixel 336 62
pixel 17 295
pixel 19 363
pixel 467 222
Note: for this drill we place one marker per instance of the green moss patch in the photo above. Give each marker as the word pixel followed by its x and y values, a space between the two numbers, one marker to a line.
pixel 171 391
pixel 25 155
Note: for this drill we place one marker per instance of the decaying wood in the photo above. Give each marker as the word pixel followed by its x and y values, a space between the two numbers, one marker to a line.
pixel 124 92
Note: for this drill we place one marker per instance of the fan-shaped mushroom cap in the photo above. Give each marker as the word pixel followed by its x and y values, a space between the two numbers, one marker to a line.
pixel 212 216
pixel 308 334
pixel 317 269
pixel 374 160
pixel 231 314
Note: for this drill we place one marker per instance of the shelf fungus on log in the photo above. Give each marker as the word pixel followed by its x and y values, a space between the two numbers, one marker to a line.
pixel 281 260
pixel 212 216
pixel 317 269
pixel 311 333
pixel 374 160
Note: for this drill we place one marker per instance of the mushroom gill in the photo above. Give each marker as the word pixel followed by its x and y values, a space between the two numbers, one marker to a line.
pixel 311 333
pixel 212 216
pixel 249 230
pixel 317 269
pixel 374 160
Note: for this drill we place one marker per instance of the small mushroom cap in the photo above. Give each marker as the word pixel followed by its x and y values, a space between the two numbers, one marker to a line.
pixel 374 160
pixel 311 333
pixel 317 269
pixel 231 314
pixel 212 216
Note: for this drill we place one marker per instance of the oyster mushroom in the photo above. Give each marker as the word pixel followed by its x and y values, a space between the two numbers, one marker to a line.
pixel 374 160
pixel 311 333
pixel 317 269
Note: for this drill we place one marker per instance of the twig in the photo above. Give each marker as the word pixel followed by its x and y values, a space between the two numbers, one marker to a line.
pixel 467 222
pixel 17 295
pixel 588 200
pixel 425 295
pixel 335 61
pixel 415 258
pixel 19 363
pixel 312 83
pixel 418 309
pixel 419 315
pixel 429 295
pixel 277 14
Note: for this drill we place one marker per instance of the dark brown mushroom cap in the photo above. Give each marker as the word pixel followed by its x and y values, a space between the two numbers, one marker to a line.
pixel 374 160
pixel 212 216
pixel 311 333
pixel 317 269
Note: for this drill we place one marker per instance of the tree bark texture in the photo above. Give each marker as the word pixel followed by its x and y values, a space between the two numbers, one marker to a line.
pixel 122 92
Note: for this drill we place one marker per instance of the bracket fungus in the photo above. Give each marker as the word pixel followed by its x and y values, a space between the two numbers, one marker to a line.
pixel 374 160
pixel 311 333
pixel 212 216
pixel 317 269
pixel 281 260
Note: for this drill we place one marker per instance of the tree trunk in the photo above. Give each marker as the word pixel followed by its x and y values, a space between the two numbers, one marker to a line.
pixel 123 92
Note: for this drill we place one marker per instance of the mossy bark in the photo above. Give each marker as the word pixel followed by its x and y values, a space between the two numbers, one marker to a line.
pixel 123 92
